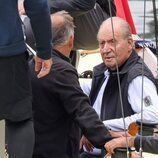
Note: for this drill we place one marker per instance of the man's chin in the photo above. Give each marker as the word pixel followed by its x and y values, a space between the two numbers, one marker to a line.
pixel 111 67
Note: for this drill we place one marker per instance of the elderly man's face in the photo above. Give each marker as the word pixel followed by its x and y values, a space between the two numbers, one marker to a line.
pixel 114 51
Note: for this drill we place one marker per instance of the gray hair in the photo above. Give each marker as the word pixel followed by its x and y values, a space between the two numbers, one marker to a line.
pixel 62 29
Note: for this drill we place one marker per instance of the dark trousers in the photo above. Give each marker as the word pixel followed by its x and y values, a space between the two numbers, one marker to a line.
pixel 20 138
pixel 15 88
pixel 16 105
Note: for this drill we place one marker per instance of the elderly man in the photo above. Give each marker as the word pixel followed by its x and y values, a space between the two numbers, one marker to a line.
pixel 120 64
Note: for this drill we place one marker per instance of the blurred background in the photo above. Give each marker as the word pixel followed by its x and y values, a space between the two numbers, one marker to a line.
pixel 137 11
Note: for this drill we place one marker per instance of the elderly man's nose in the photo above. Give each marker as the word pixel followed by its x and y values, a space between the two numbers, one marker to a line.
pixel 106 47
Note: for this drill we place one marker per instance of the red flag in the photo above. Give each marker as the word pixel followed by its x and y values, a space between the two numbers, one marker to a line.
pixel 123 11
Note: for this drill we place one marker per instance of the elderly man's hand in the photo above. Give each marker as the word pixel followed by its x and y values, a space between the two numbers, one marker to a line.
pixel 43 66
pixel 115 143
pixel 119 134
pixel 121 142
pixel 135 155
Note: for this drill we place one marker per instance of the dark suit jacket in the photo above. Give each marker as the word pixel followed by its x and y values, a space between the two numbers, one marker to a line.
pixel 149 144
pixel 60 108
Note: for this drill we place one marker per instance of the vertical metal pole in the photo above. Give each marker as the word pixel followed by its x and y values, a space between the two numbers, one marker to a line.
pixel 156 29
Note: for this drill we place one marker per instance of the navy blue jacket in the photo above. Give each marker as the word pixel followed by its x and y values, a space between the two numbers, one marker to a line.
pixel 111 101
pixel 11 34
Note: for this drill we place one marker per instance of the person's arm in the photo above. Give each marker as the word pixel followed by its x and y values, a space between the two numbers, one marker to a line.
pixel 149 144
pixel 74 7
pixel 150 104
pixel 38 12
pixel 77 105
pixel 121 142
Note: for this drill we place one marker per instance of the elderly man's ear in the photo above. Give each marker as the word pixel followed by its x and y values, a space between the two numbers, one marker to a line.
pixel 71 42
pixel 130 44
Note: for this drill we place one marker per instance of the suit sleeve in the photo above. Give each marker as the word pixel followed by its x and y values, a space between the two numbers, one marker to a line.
pixel 38 12
pixel 74 7
pixel 77 105
pixel 149 143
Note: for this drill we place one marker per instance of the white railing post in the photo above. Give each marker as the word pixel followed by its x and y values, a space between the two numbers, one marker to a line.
pixel 2 139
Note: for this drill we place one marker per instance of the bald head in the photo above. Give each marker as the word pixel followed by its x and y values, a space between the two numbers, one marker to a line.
pixel 57 20
pixel 118 24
